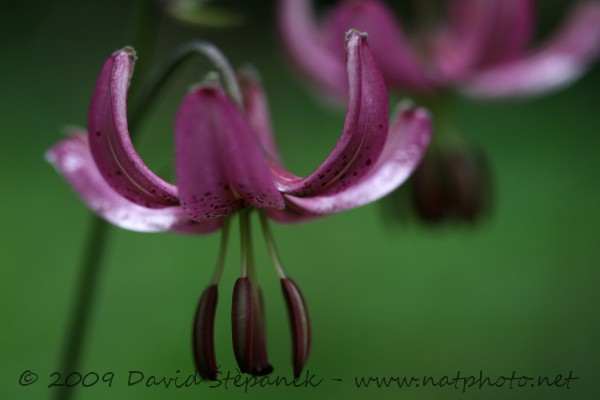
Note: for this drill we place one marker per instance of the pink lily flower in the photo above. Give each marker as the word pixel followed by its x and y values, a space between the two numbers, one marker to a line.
pixel 226 161
pixel 482 48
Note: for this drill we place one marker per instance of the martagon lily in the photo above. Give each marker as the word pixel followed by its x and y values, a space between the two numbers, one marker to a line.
pixel 480 48
pixel 226 161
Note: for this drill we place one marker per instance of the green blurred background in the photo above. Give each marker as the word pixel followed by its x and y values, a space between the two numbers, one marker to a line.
pixel 520 292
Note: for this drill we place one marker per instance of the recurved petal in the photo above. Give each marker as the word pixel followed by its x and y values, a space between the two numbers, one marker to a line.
pixel 409 136
pixel 480 33
pixel 511 32
pixel 219 164
pixel 257 112
pixel 460 44
pixel 364 133
pixel 110 142
pixel 562 60
pixel 399 64
pixel 305 44
pixel 203 338
pixel 72 158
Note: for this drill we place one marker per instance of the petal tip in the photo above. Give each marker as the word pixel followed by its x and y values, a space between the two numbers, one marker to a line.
pixel 127 51
pixel 354 37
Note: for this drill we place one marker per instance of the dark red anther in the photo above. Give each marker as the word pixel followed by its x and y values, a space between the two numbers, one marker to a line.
pixel 260 362
pixel 469 183
pixel 203 334
pixel 242 324
pixel 428 189
pixel 299 323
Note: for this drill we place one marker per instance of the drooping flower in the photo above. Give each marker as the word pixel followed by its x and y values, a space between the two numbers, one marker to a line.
pixel 481 49
pixel 226 161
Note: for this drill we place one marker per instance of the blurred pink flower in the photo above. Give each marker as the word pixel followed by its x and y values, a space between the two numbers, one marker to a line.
pixel 482 48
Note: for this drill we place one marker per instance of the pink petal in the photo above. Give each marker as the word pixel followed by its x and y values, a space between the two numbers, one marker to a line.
pixel 399 65
pixel 364 133
pixel 110 143
pixel 257 112
pixel 304 44
pixel 512 31
pixel 481 33
pixel 561 61
pixel 218 161
pixel 408 139
pixel 72 158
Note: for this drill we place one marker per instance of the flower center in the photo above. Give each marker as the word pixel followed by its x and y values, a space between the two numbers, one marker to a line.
pixel 247 316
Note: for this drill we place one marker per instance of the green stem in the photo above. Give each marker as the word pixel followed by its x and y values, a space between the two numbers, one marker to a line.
pixel 84 303
pixel 97 237
pixel 222 251
pixel 246 244
pixel 144 40
pixel 149 92
pixel 98 230
pixel 271 244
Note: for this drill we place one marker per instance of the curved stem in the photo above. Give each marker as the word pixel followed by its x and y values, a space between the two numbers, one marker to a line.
pixel 150 90
pixel 271 245
pixel 144 36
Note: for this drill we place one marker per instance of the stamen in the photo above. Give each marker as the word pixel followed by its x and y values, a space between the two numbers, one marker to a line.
pixel 299 324
pixel 203 342
pixel 246 244
pixel 271 245
pixel 248 312
pixel 222 252
pixel 260 361
pixel 296 306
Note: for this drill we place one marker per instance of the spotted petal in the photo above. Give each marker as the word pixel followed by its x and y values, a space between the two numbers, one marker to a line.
pixel 408 139
pixel 219 164
pixel 364 133
pixel 111 146
pixel 561 61
pixel 257 111
pixel 72 158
